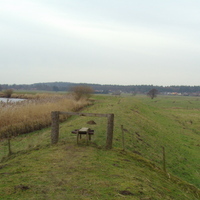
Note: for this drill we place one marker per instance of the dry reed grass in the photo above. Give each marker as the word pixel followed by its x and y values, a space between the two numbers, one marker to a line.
pixel 34 114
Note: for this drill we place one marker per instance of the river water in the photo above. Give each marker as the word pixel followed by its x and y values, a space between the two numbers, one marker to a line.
pixel 10 100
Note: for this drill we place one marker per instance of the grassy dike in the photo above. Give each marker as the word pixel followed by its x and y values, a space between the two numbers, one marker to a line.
pixel 37 170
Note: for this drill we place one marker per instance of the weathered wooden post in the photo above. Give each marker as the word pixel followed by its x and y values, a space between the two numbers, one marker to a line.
pixel 54 127
pixel 9 146
pixel 164 161
pixel 123 146
pixel 110 128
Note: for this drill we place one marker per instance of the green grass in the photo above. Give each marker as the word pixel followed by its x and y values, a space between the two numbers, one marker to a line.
pixel 66 171
pixel 37 170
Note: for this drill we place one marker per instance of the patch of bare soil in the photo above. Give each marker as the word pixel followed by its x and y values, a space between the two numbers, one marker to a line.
pixel 126 192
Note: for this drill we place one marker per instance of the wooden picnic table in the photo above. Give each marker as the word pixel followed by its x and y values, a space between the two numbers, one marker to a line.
pixel 83 131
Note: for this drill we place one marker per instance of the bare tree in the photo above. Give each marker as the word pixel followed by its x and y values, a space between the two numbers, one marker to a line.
pixel 82 91
pixel 152 93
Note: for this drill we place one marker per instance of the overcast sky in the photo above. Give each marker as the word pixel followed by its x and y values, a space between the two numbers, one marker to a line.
pixel 127 42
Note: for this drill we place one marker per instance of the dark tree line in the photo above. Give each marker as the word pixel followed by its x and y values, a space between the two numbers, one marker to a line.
pixel 98 88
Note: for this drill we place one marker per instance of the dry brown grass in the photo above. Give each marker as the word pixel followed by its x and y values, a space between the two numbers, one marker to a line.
pixel 34 114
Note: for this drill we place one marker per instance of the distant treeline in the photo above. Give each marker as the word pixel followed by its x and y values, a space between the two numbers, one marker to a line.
pixel 104 89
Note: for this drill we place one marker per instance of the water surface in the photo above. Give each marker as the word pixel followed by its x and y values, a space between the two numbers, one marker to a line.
pixel 10 100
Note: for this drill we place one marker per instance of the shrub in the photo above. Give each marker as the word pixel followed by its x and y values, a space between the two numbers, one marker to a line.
pixel 81 91
pixel 8 93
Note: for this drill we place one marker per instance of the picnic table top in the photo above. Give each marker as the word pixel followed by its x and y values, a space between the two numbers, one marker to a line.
pixel 84 129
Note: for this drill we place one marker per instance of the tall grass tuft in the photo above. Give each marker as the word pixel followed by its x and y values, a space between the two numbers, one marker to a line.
pixel 34 114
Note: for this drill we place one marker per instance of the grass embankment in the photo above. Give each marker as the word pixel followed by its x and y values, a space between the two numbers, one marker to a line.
pixel 170 122
pixel 37 170
pixel 33 114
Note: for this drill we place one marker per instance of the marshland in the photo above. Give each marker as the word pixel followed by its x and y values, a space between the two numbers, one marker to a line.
pixel 34 112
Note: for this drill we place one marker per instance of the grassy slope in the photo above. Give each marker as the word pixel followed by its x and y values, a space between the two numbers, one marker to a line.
pixel 170 122
pixel 68 171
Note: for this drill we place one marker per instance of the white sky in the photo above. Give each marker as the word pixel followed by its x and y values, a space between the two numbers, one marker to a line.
pixel 128 42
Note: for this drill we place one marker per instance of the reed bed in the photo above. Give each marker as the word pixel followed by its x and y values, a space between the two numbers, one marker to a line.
pixel 34 114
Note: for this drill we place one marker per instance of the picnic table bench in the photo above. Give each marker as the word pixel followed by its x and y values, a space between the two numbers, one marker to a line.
pixel 83 131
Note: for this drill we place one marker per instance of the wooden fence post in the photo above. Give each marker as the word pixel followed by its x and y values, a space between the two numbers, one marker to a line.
pixel 9 146
pixel 110 128
pixel 54 127
pixel 164 159
pixel 123 146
